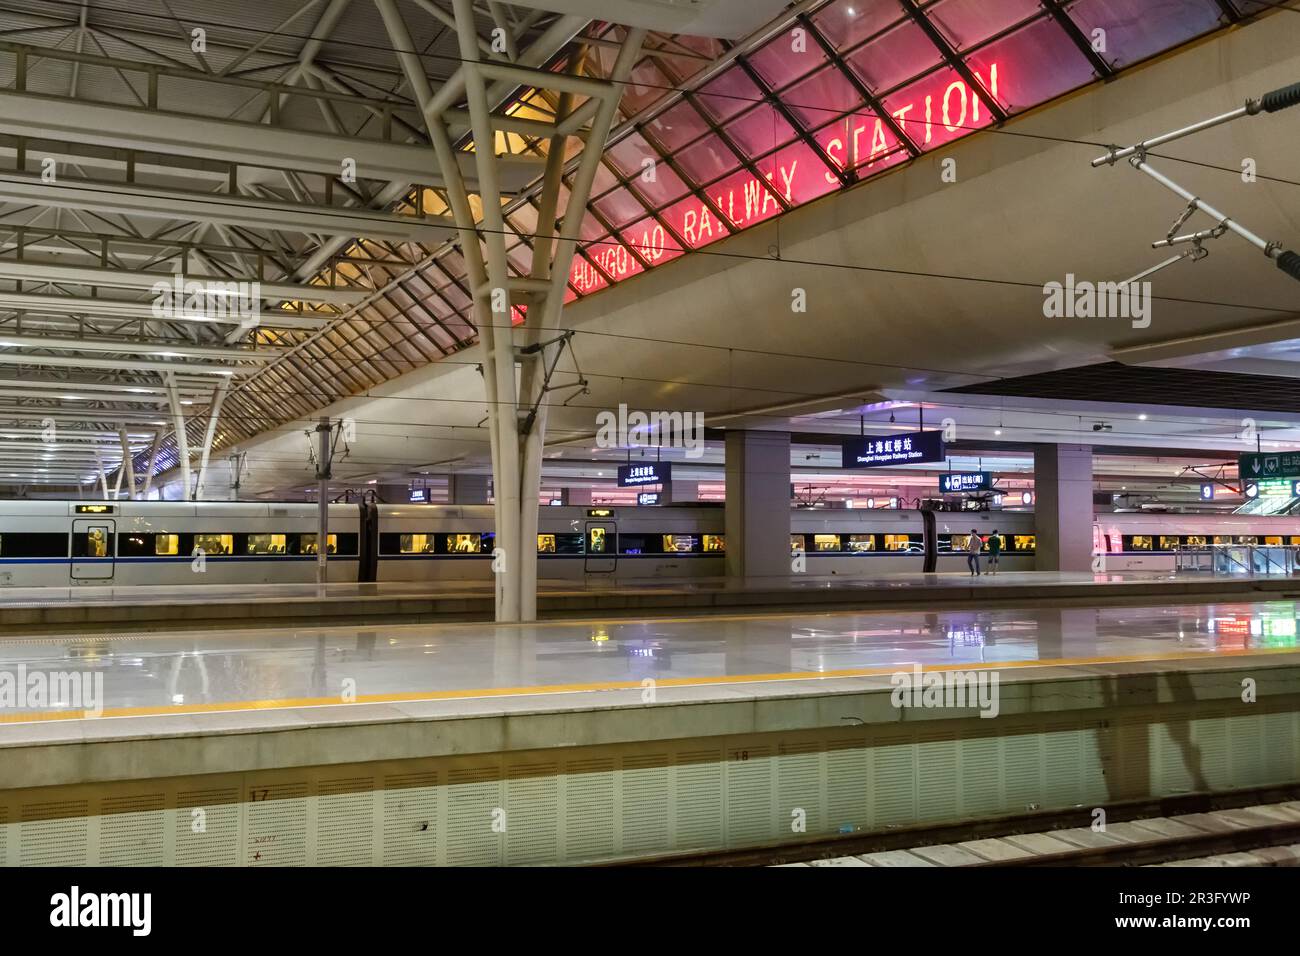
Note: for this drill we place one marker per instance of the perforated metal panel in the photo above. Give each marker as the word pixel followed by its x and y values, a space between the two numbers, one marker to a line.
pixel 207 827
pixel 591 804
pixel 749 806
pixel 590 809
pixel 646 784
pixel 476 816
pixel 532 805
pixel 698 804
pixel 277 825
pixel 132 830
pixel 411 819
pixel 345 822
pixel 55 833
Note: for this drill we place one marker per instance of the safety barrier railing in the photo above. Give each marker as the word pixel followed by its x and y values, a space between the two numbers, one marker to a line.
pixel 1248 559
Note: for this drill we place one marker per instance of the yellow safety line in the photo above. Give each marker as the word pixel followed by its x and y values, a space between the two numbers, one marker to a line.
pixel 286 703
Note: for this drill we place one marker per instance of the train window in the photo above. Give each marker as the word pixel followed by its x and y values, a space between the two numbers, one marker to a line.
pixel 1194 541
pixel 715 543
pixel 546 544
pixel 897 542
pixel 680 543
pixel 134 545
pixel 165 544
pixel 1295 541
pixel 797 543
pixel 826 542
pixel 415 543
pixel 1247 539
pixel 21 544
pixel 639 543
pixel 211 544
pixel 597 540
pixel 1273 539
pixel 1169 542
pixel 266 544
pixel 569 543
pixel 1137 542
pixel 463 543
pixel 94 542
pixel 859 543
pixel 1223 539
pixel 1025 542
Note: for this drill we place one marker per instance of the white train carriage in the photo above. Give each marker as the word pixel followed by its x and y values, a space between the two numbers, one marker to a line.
pixel 170 543
pixel 58 543
pixel 1150 541
pixel 456 542
pixel 865 543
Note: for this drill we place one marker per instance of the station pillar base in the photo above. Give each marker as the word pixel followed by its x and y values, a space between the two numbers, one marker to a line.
pixel 758 504
pixel 1063 507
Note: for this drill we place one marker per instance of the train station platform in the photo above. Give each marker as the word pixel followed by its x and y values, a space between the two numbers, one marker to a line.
pixel 477 743
pixel 152 608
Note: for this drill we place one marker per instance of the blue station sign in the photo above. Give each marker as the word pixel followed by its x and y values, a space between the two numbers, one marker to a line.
pixel 654 473
pixel 878 451
pixel 957 481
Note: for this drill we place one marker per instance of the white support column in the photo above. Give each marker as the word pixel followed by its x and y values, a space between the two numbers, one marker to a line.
pixel 516 458
pixel 324 461
pixel 182 440
pixel 128 463
pixel 103 478
pixel 214 412
pixel 117 482
pixel 153 459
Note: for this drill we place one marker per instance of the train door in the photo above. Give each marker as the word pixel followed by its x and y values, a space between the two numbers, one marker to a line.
pixel 92 549
pixel 601 547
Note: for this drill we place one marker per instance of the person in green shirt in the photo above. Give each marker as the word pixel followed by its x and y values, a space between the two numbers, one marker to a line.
pixel 995 549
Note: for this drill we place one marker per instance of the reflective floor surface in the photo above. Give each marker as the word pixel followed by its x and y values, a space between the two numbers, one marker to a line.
pixel 217 670
pixel 214 593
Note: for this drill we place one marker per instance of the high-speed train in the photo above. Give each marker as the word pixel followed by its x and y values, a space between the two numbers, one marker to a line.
pixel 174 542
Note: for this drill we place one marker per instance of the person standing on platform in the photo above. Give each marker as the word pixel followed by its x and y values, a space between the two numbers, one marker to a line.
pixel 995 550
pixel 973 547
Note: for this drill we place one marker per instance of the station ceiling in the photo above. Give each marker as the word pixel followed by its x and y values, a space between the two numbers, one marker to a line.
pixel 738 175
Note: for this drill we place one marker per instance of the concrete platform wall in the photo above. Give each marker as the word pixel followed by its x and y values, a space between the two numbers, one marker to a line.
pixel 632 799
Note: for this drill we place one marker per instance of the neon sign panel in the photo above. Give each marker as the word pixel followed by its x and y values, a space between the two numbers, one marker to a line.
pixel 932 112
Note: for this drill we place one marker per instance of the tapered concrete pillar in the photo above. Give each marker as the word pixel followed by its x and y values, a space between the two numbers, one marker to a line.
pixel 681 492
pixel 1063 507
pixel 758 504
pixel 576 496
pixel 393 494
pixel 468 489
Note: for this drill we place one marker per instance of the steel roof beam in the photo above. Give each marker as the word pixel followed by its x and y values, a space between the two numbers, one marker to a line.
pixel 120 309
pixel 117 364
pixel 27 271
pixel 156 202
pixel 231 141
pixel 159 349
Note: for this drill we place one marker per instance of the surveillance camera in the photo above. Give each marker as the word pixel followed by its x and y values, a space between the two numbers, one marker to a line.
pixel 1101 427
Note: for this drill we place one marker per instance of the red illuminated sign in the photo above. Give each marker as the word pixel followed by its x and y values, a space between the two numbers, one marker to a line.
pixel 933 111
